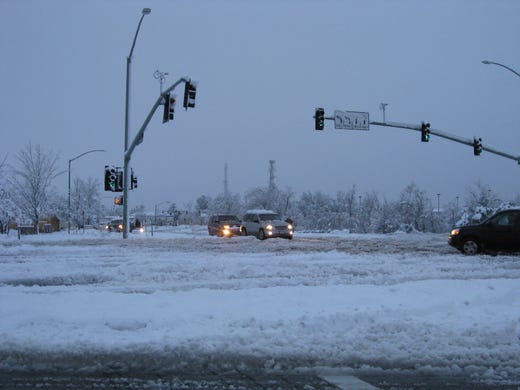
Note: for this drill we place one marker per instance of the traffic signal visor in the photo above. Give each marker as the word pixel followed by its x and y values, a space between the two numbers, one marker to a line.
pixel 425 132
pixel 319 118
pixel 190 92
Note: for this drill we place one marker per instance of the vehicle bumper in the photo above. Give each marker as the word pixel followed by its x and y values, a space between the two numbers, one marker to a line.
pixel 280 233
pixel 455 242
pixel 231 231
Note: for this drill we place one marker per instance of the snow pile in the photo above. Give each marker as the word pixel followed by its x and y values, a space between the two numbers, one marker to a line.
pixel 182 298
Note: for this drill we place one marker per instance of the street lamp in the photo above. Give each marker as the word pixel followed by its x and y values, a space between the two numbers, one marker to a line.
pixel 71 160
pixel 145 11
pixel 503 66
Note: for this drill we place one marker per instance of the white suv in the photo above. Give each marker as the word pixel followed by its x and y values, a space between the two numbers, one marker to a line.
pixel 266 224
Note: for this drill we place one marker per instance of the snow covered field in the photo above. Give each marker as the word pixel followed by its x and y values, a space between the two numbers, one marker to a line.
pixel 94 302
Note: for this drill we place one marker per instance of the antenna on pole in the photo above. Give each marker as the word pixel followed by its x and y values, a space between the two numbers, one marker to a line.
pixel 382 107
pixel 226 188
pixel 161 76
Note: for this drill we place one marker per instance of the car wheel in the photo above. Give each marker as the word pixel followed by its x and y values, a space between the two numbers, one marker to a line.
pixel 470 246
pixel 243 232
pixel 261 234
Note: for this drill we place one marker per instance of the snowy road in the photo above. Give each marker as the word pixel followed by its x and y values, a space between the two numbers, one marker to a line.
pixel 371 303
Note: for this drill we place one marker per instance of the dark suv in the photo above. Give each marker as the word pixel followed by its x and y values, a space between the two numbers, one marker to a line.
pixel 501 232
pixel 224 225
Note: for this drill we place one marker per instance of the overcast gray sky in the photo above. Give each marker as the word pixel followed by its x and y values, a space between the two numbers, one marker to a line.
pixel 262 67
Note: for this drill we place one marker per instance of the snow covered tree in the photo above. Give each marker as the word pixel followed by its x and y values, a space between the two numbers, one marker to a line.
pixel 412 208
pixel 388 217
pixel 86 205
pixel 226 203
pixel 32 180
pixel 368 213
pixel 138 209
pixel 202 204
pixel 8 210
pixel 481 202
pixel 315 210
pixel 269 198
pixel 345 210
pixel 257 198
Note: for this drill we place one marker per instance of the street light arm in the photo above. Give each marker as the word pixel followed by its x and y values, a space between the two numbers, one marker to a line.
pixel 82 154
pixel 146 11
pixel 136 34
pixel 502 65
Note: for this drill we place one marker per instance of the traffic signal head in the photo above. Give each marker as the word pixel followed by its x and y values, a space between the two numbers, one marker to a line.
pixel 110 178
pixel 425 132
pixel 190 91
pixel 119 180
pixel 319 118
pixel 133 181
pixel 169 107
pixel 477 146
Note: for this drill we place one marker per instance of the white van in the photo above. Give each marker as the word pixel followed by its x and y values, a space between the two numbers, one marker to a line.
pixel 266 224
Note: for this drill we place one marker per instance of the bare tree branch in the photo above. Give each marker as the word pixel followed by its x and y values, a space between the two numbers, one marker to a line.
pixel 32 179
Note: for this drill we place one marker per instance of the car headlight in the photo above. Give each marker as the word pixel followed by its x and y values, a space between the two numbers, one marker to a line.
pixel 226 226
pixel 120 227
pixel 269 227
pixel 454 232
pixel 290 227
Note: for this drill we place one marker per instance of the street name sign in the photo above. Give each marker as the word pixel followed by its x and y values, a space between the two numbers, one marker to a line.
pixel 351 120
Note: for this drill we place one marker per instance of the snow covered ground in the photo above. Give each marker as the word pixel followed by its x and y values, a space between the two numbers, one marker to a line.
pixel 94 302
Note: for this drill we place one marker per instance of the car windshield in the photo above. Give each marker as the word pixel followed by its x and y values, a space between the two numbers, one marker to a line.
pixel 228 218
pixel 270 217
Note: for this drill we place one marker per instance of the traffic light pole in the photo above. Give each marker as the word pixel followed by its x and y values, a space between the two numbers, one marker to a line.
pixel 137 140
pixel 451 137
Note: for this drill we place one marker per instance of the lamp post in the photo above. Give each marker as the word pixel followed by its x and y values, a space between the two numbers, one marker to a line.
pixel 502 65
pixel 71 160
pixel 145 12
